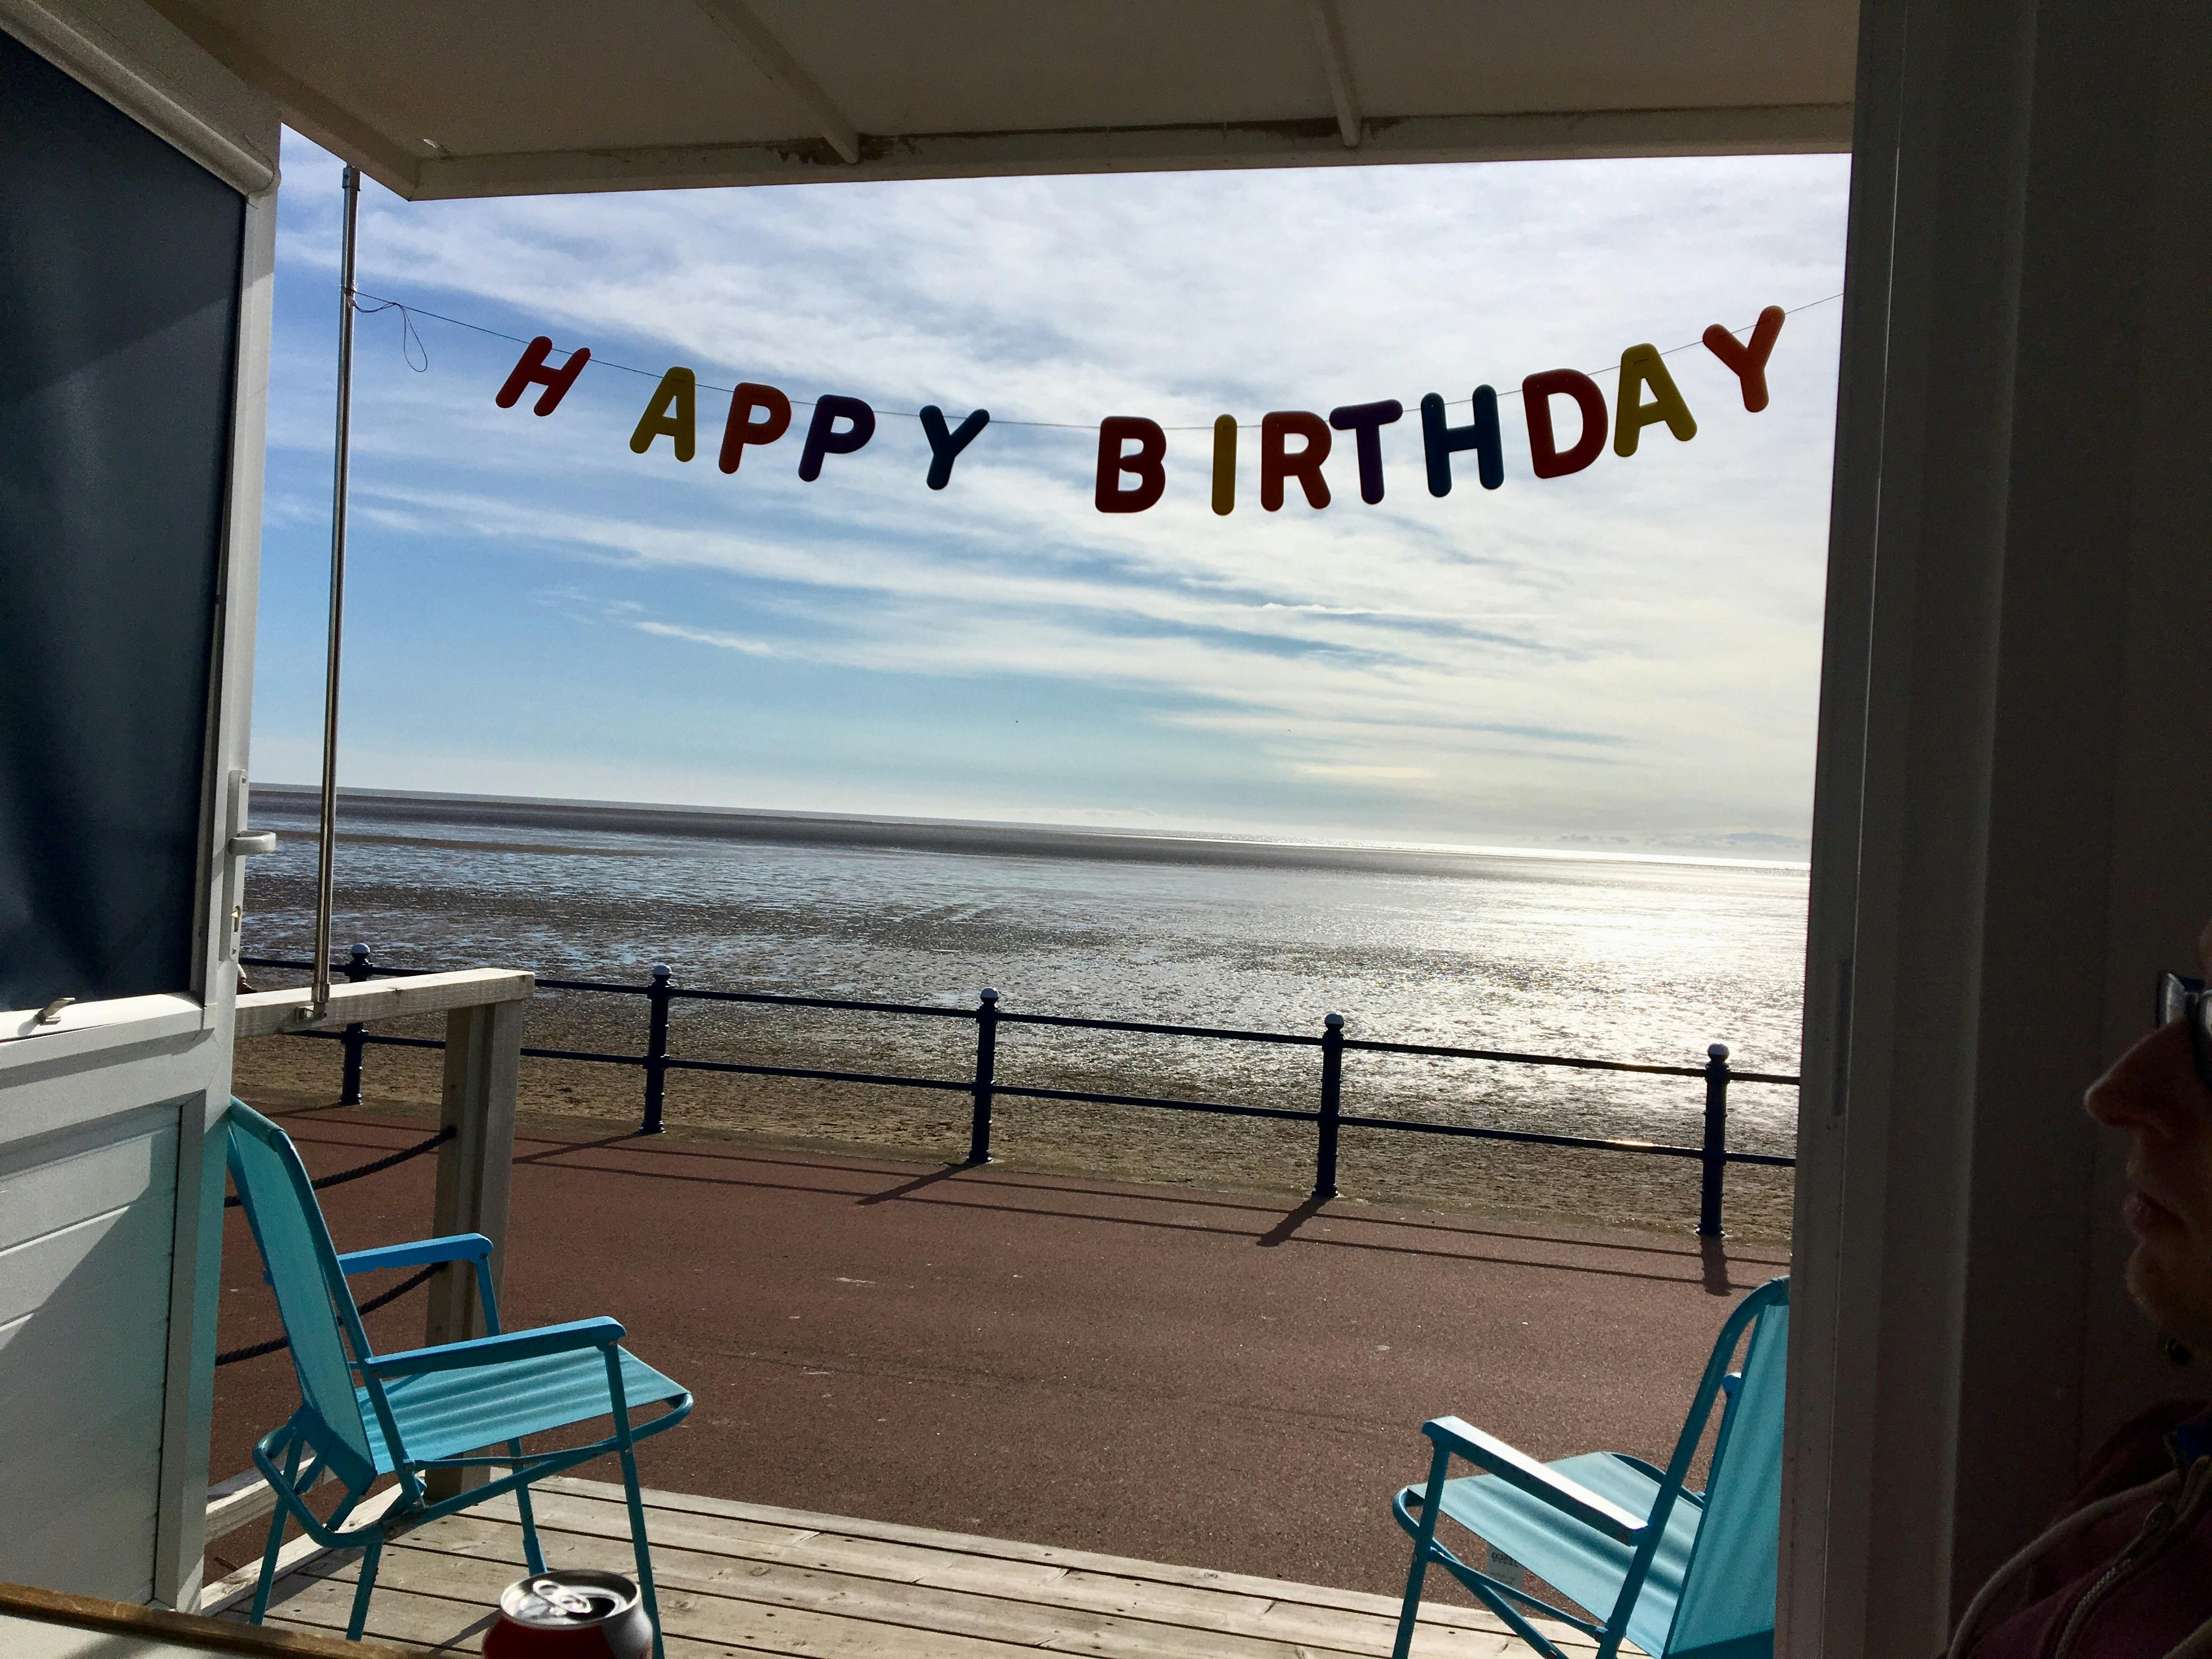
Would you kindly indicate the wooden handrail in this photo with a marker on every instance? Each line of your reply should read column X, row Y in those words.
column 266, row 1013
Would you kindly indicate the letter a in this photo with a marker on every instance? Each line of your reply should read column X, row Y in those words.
column 1641, row 366
column 673, row 414
column 530, row 370
column 1750, row 361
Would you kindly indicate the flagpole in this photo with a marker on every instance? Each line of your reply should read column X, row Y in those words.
column 321, row 994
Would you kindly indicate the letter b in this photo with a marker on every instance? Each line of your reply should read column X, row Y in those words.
column 1114, row 432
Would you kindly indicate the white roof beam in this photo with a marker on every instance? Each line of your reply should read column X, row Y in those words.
column 736, row 19
column 1343, row 92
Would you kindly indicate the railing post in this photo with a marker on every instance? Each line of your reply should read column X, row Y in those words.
column 986, row 1063
column 475, row 1169
column 1714, row 1160
column 1332, row 1104
column 656, row 1051
column 355, row 970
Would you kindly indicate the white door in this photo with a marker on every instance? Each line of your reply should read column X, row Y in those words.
column 138, row 207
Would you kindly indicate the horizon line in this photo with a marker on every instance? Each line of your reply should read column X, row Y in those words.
column 918, row 821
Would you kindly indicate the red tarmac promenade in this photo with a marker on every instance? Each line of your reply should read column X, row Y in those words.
column 1218, row 1380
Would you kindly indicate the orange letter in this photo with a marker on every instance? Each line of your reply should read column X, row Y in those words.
column 1536, row 394
column 1277, row 465
column 530, row 370
column 742, row 429
column 1750, row 361
column 1152, row 478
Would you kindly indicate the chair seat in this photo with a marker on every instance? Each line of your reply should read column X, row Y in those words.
column 451, row 1413
column 1583, row 1565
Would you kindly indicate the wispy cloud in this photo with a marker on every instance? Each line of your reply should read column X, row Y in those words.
column 1628, row 652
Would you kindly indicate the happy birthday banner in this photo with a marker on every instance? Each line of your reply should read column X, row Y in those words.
column 1133, row 450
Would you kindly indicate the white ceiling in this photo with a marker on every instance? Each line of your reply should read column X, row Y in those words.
column 503, row 97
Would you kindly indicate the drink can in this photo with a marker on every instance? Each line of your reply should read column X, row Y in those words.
column 574, row 1614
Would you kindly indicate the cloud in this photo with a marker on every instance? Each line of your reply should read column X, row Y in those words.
column 1630, row 651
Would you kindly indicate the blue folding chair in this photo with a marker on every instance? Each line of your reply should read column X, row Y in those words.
column 423, row 1408
column 1687, row 1575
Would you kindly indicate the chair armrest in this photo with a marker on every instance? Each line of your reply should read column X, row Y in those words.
column 456, row 1247
column 1518, row 1468
column 494, row 1349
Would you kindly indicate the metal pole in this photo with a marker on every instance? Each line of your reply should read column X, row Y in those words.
column 1332, row 1102
column 987, row 1065
column 656, row 1050
column 1715, row 1147
column 351, row 185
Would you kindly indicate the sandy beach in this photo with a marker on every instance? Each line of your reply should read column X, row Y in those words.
column 1227, row 1154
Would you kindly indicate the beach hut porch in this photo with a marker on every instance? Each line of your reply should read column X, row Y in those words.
column 752, row 1579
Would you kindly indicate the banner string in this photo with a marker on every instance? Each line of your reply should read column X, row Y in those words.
column 411, row 344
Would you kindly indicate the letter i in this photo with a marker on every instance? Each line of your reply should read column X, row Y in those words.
column 1224, row 465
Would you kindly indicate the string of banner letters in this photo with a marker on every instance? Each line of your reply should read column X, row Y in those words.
column 1133, row 449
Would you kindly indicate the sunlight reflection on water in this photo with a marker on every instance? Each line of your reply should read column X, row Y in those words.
column 1617, row 961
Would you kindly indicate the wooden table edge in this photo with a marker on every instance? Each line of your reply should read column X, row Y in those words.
column 184, row 1628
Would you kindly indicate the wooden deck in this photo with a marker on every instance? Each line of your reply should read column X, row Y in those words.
column 746, row 1578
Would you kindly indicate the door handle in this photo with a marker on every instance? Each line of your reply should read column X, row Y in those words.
column 248, row 842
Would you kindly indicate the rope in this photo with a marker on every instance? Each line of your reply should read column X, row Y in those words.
column 256, row 1350
column 369, row 1169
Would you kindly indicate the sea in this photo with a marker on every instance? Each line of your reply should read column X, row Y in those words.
column 1624, row 959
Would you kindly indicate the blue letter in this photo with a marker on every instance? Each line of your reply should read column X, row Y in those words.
column 945, row 447
column 1367, row 420
column 820, row 441
column 1479, row 435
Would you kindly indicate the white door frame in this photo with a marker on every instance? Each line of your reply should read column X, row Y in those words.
column 105, row 1061
column 2013, row 829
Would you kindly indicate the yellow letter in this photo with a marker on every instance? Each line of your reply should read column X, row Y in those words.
column 1224, row 465
column 1641, row 366
column 679, row 390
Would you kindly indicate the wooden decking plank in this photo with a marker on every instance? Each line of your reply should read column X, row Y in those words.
column 915, row 1606
column 470, row 1587
column 738, row 1578
column 1011, row 1550
column 405, row 1619
column 1229, row 1614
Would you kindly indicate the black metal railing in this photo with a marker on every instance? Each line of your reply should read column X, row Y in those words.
column 983, row 1089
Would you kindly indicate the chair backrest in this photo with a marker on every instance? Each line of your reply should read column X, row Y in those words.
column 312, row 1296
column 1727, row 1606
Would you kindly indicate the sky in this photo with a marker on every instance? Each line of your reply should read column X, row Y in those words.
column 1622, row 659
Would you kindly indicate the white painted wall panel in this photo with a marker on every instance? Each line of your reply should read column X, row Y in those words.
column 87, row 1223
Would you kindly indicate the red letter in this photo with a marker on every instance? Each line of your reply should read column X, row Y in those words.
column 1276, row 465
column 1536, row 394
column 1750, row 361
column 742, row 429
column 1152, row 478
column 531, row 370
